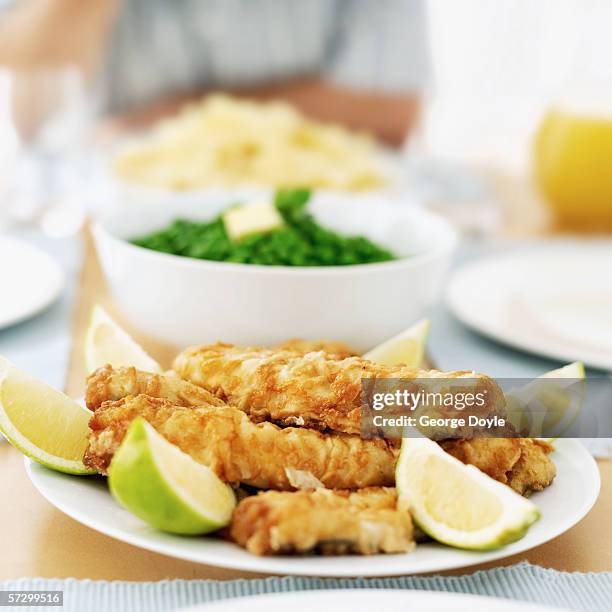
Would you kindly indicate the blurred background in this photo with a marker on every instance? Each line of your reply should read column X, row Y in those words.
column 497, row 116
column 464, row 89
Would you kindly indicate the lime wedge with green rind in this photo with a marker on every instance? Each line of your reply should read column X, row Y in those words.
column 406, row 348
column 41, row 422
column 457, row 504
column 106, row 342
column 550, row 404
column 165, row 487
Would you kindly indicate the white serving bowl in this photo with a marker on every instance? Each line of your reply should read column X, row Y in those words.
column 187, row 301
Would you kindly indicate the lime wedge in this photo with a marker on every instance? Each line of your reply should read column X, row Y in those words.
column 550, row 404
column 457, row 504
column 406, row 348
column 42, row 422
column 165, row 487
column 106, row 342
column 572, row 370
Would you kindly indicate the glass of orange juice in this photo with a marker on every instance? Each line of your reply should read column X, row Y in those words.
column 573, row 164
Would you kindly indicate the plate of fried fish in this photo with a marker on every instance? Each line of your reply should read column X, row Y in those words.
column 278, row 430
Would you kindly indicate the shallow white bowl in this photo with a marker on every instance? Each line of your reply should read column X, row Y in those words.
column 188, row 301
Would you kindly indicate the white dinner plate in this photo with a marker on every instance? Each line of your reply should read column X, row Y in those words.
column 368, row 600
column 87, row 500
column 554, row 300
column 31, row 280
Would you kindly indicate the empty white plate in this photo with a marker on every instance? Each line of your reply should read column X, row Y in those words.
column 554, row 300
column 30, row 280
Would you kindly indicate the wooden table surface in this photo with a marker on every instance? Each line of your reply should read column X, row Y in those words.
column 38, row 540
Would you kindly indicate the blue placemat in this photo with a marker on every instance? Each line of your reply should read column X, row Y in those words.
column 572, row 591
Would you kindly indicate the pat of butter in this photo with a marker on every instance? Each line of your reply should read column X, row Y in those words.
column 251, row 219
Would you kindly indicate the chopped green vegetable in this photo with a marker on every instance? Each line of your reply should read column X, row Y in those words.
column 300, row 242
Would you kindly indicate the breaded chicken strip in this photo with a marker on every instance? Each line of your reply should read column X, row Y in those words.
column 521, row 463
column 331, row 347
column 239, row 450
column 362, row 522
column 112, row 384
column 314, row 390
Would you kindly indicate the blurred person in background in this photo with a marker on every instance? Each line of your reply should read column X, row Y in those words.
column 362, row 63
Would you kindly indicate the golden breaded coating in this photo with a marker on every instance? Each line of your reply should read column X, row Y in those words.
column 315, row 390
column 534, row 471
column 112, row 384
column 331, row 347
column 363, row 522
column 493, row 456
column 521, row 463
column 238, row 450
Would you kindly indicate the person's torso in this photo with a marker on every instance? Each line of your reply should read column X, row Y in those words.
column 160, row 47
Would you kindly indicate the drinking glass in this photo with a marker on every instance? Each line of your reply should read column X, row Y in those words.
column 45, row 114
column 572, row 157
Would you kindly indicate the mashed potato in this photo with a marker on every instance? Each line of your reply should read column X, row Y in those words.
column 223, row 141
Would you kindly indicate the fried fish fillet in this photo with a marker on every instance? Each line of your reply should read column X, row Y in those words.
column 240, row 451
column 112, row 384
column 331, row 347
column 362, row 522
column 315, row 390
column 534, row 471
column 521, row 463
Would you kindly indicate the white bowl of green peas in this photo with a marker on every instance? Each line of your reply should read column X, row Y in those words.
column 358, row 269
